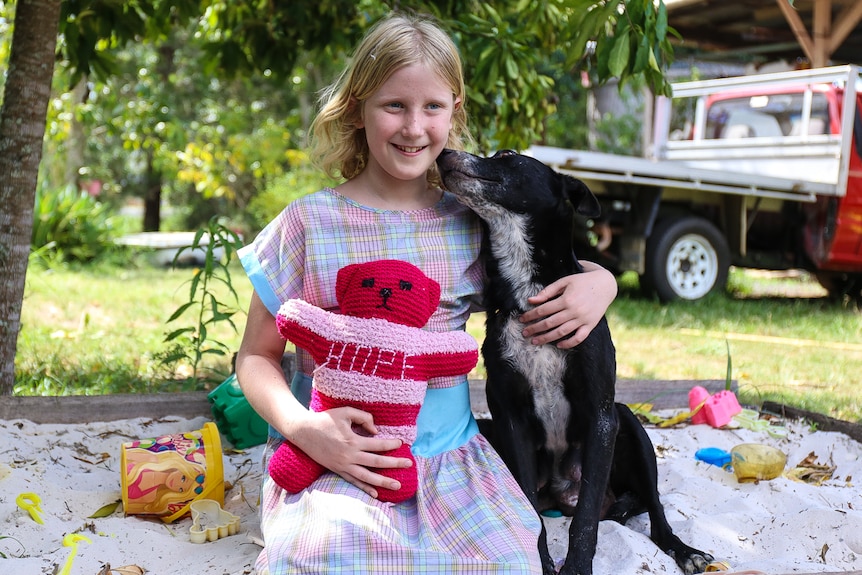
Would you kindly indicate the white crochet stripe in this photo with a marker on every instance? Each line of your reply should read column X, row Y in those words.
column 406, row 433
column 356, row 386
column 375, row 332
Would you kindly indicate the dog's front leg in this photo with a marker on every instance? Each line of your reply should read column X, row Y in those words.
column 597, row 460
column 513, row 435
column 591, row 378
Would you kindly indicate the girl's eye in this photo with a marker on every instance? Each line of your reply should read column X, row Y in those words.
column 395, row 105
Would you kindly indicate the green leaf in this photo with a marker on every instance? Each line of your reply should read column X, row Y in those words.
column 495, row 16
column 661, row 23
column 106, row 510
column 636, row 9
column 619, row 59
column 511, row 68
column 178, row 332
column 728, row 381
column 180, row 311
column 653, row 63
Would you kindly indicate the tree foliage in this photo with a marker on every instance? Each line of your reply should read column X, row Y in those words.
column 186, row 121
column 504, row 44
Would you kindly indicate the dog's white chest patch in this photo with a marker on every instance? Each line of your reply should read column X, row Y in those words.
column 543, row 366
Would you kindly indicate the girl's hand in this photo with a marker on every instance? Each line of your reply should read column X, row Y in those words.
column 330, row 438
column 569, row 309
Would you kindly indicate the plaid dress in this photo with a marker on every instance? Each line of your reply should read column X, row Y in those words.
column 468, row 515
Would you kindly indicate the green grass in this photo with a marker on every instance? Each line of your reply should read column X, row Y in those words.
column 97, row 330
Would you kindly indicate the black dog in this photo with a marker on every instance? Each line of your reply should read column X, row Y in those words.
column 554, row 419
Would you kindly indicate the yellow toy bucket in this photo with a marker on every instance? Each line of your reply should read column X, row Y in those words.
column 162, row 476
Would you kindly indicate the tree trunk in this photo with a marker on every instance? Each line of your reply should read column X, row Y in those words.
column 152, row 196
column 154, row 180
column 22, row 129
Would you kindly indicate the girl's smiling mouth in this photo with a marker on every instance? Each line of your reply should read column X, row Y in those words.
column 410, row 149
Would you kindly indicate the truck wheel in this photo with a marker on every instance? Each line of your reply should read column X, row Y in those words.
column 686, row 258
column 840, row 284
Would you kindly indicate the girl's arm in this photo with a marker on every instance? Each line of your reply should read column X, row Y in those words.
column 326, row 437
column 571, row 306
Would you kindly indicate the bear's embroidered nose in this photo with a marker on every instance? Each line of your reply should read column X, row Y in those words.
column 385, row 293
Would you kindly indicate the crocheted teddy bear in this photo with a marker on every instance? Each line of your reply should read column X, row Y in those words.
column 373, row 356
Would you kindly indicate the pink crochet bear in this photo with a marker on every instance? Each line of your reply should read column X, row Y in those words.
column 373, row 356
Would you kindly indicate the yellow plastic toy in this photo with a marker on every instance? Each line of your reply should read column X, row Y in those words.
column 72, row 540
column 30, row 502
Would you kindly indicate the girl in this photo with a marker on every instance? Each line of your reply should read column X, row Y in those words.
column 381, row 127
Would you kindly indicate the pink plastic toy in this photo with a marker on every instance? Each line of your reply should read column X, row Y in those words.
column 717, row 409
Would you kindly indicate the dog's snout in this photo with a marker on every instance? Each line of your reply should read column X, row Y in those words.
column 446, row 158
column 504, row 153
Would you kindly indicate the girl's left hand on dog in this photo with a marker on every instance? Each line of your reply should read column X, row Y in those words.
column 568, row 309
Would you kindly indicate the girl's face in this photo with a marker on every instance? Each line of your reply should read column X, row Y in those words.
column 407, row 122
column 177, row 481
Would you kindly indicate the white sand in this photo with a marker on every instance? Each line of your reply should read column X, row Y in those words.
column 778, row 526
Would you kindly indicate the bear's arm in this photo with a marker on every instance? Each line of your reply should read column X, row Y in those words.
column 445, row 364
column 444, row 354
column 303, row 337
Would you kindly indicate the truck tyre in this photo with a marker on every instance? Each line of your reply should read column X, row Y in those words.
column 686, row 258
column 841, row 285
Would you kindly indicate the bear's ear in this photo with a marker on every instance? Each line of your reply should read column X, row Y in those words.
column 344, row 279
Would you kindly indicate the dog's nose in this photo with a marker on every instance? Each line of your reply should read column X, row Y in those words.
column 385, row 292
column 445, row 158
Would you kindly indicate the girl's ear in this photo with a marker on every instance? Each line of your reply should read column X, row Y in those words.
column 455, row 107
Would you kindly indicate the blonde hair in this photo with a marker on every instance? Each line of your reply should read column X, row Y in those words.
column 337, row 145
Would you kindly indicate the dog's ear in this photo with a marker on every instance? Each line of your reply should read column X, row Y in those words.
column 582, row 198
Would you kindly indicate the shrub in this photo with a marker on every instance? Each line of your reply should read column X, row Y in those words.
column 69, row 225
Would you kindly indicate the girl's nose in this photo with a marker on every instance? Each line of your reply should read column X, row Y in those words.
column 412, row 125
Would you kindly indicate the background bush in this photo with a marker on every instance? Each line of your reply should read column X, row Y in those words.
column 71, row 226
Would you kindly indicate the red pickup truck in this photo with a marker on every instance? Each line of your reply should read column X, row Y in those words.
column 756, row 171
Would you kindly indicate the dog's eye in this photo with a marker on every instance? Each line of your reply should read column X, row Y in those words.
column 405, row 285
column 504, row 153
column 368, row 282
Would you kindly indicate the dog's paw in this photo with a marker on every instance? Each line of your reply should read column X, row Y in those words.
column 691, row 560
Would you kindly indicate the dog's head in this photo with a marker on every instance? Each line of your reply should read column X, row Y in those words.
column 513, row 182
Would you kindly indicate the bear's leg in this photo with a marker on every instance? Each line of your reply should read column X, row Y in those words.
column 406, row 476
column 292, row 469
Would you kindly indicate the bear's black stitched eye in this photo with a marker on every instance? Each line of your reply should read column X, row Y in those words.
column 405, row 285
column 368, row 282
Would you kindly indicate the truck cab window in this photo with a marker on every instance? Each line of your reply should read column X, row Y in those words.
column 766, row 116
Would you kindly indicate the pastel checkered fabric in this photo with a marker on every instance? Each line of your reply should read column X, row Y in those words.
column 468, row 515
